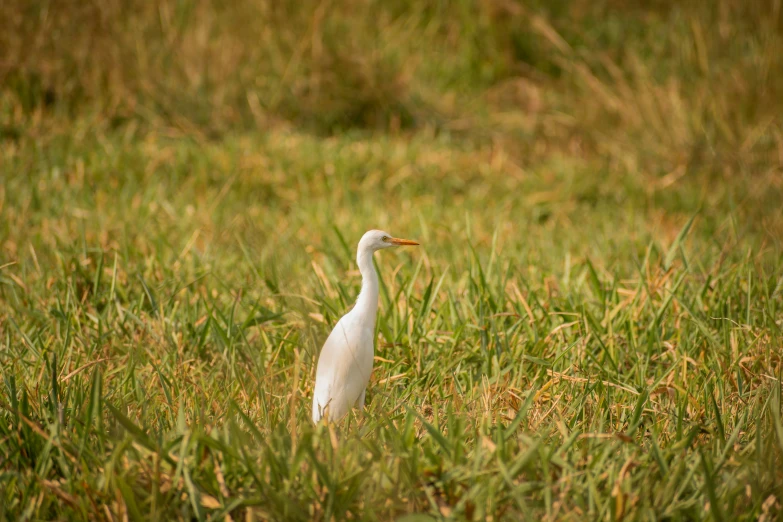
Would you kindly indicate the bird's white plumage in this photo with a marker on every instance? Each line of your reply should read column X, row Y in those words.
column 344, row 368
column 346, row 359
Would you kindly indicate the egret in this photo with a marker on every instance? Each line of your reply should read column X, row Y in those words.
column 345, row 363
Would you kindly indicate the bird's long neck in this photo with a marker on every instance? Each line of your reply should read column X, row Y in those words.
column 367, row 303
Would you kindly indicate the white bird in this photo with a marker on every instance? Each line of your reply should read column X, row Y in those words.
column 345, row 363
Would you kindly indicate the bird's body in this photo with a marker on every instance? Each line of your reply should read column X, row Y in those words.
column 344, row 369
column 345, row 363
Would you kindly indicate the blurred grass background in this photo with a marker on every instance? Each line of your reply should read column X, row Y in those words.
column 595, row 311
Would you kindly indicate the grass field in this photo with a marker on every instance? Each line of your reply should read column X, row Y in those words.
column 591, row 329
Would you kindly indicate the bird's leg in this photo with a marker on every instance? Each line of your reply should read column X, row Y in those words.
column 360, row 400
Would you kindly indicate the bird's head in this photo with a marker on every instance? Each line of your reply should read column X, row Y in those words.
column 378, row 239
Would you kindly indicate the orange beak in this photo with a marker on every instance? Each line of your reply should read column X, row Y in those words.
column 401, row 242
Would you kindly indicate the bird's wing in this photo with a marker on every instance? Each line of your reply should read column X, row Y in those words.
column 343, row 369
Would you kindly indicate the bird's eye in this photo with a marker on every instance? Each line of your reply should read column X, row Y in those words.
column 385, row 238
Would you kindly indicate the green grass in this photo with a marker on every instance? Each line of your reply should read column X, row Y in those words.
column 591, row 329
